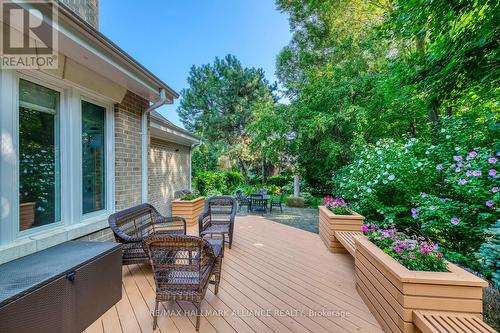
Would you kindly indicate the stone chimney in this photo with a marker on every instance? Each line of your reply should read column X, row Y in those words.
column 86, row 9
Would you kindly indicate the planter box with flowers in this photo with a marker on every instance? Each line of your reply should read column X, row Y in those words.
column 396, row 275
column 335, row 215
column 189, row 206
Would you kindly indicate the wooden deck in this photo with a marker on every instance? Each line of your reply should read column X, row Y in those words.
column 275, row 278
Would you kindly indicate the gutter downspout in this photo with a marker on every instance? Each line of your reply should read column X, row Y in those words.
column 144, row 144
column 194, row 145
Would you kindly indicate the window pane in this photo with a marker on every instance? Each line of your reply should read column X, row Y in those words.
column 93, row 119
column 39, row 193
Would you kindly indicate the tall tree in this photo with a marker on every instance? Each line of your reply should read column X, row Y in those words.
column 220, row 103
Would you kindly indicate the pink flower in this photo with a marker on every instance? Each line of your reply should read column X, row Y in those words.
column 476, row 173
column 457, row 158
column 411, row 255
column 440, row 255
column 492, row 172
column 364, row 228
column 472, row 154
column 455, row 220
column 492, row 160
column 403, row 256
column 489, row 203
column 468, row 173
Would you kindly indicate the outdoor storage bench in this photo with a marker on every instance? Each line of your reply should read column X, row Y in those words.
column 64, row 288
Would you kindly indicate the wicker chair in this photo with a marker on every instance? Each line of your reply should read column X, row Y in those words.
column 277, row 203
column 217, row 217
column 182, row 268
column 131, row 226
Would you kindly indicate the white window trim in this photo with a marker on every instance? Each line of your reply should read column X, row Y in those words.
column 73, row 223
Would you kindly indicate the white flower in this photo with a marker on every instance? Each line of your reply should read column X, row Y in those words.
column 391, row 177
column 369, row 190
column 448, row 136
column 385, row 182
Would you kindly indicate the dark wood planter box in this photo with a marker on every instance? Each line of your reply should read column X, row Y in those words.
column 61, row 289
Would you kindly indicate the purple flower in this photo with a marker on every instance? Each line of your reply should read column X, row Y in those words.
column 462, row 181
column 457, row 158
column 489, row 203
column 411, row 255
column 439, row 167
column 423, row 195
column 472, row 154
column 468, row 173
column 455, row 220
column 476, row 173
column 492, row 172
column 492, row 160
column 494, row 189
column 458, row 170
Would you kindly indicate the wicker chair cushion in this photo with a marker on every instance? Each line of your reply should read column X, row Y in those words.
column 216, row 229
column 216, row 245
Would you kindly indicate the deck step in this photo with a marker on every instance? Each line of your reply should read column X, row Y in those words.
column 449, row 322
column 346, row 238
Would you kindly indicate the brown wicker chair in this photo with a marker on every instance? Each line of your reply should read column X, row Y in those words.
column 182, row 268
column 131, row 226
column 217, row 217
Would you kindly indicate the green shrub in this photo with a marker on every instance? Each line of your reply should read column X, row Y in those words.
column 280, row 180
column 221, row 182
column 489, row 254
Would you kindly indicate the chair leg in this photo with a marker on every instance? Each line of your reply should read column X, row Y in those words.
column 230, row 239
column 281, row 208
column 198, row 315
column 155, row 316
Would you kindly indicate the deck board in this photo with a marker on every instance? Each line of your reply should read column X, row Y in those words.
column 271, row 279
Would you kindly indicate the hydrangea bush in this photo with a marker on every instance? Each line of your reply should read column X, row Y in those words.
column 462, row 204
column 416, row 254
column 445, row 189
column 337, row 206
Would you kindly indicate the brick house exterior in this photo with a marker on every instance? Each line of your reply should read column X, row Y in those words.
column 132, row 168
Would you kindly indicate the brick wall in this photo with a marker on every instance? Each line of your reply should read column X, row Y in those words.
column 168, row 171
column 128, row 151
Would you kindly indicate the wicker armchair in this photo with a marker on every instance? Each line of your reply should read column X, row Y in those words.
column 182, row 268
column 217, row 217
column 131, row 226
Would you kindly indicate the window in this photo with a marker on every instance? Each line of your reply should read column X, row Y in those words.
column 39, row 176
column 93, row 157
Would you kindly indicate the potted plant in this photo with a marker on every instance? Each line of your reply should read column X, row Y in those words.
column 189, row 206
column 336, row 215
column 396, row 275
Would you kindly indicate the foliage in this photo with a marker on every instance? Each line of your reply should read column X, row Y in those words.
column 221, row 182
column 280, row 180
column 383, row 179
column 220, row 102
column 489, row 253
column 414, row 254
column 188, row 195
column 337, row 206
column 462, row 204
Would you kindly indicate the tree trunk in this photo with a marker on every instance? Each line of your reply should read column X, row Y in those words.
column 264, row 179
column 243, row 170
column 296, row 185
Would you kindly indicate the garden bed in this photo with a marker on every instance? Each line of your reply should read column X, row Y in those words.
column 190, row 210
column 392, row 292
column 329, row 223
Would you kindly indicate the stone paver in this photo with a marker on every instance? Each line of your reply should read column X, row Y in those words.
column 302, row 218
